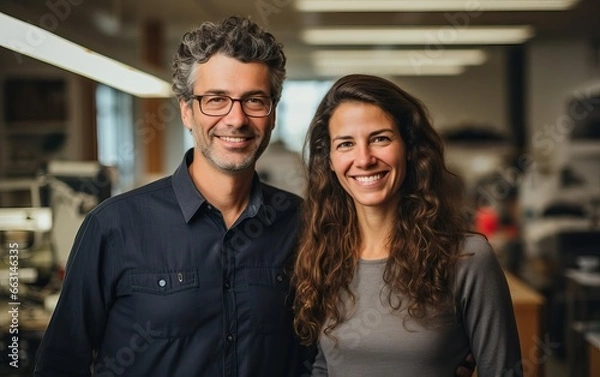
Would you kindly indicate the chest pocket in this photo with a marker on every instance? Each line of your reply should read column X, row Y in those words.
column 172, row 303
column 270, row 296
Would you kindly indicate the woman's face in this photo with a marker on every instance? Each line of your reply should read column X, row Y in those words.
column 368, row 154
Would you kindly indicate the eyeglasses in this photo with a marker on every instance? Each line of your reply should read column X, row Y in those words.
column 220, row 105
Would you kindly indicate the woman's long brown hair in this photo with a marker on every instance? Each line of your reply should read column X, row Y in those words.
column 426, row 237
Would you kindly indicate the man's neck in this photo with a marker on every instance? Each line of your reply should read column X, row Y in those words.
column 228, row 192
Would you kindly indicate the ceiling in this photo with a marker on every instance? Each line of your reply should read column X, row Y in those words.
column 114, row 27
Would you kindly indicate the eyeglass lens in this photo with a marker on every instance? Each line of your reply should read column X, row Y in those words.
column 221, row 105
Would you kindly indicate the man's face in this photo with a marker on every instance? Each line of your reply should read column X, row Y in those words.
column 233, row 142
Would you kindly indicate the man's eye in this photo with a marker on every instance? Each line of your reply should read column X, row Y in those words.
column 215, row 100
column 256, row 100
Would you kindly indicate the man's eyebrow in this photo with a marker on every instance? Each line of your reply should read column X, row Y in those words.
column 221, row 92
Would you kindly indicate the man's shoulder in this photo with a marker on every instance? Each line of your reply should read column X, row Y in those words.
column 134, row 196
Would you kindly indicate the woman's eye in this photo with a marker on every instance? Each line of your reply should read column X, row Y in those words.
column 344, row 145
column 380, row 139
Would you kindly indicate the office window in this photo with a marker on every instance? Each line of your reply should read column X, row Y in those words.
column 115, row 135
column 298, row 104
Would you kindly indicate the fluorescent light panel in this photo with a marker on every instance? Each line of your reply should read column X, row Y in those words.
column 431, row 5
column 390, row 70
column 42, row 45
column 412, row 58
column 431, row 35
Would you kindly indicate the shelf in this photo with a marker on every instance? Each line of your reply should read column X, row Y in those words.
column 580, row 148
column 34, row 128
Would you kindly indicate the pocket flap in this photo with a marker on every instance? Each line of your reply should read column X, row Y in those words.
column 163, row 282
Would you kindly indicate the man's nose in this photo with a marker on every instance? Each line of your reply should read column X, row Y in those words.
column 236, row 116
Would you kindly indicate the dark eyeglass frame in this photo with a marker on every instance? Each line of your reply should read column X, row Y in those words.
column 240, row 100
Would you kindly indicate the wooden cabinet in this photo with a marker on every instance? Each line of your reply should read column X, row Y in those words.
column 593, row 339
column 528, row 304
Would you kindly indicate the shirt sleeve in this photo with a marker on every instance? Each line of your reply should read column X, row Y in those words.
column 487, row 311
column 319, row 368
column 78, row 322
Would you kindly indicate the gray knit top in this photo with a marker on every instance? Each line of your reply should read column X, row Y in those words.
column 375, row 342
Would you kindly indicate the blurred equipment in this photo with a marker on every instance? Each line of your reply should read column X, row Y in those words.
column 73, row 188
column 24, row 231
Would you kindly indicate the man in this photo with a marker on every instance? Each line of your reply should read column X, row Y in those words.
column 187, row 276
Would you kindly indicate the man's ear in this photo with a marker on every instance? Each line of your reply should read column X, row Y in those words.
column 274, row 118
column 187, row 114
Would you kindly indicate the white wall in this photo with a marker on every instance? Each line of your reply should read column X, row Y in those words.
column 555, row 70
column 478, row 95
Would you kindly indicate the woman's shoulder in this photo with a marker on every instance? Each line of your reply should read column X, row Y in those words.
column 477, row 253
column 478, row 268
column 474, row 243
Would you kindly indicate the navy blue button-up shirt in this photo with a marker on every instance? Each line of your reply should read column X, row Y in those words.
column 156, row 285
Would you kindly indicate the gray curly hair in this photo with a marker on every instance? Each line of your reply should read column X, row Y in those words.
column 238, row 37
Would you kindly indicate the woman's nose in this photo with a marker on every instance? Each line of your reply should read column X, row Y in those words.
column 364, row 157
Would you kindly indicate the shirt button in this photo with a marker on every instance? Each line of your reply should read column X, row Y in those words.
column 229, row 338
column 227, row 285
column 279, row 278
column 162, row 283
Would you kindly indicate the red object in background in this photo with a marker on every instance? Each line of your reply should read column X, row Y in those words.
column 61, row 273
column 487, row 221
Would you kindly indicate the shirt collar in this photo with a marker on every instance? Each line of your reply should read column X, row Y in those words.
column 190, row 199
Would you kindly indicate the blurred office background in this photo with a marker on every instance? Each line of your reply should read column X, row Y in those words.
column 512, row 86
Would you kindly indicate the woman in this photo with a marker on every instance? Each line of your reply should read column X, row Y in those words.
column 389, row 281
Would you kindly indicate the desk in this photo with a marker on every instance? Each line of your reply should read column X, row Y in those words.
column 527, row 304
column 582, row 288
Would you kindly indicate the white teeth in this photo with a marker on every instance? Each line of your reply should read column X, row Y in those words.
column 233, row 139
column 371, row 178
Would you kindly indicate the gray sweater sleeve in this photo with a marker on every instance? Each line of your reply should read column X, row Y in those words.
column 319, row 368
column 484, row 302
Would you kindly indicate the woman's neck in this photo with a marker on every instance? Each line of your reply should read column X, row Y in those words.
column 375, row 228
